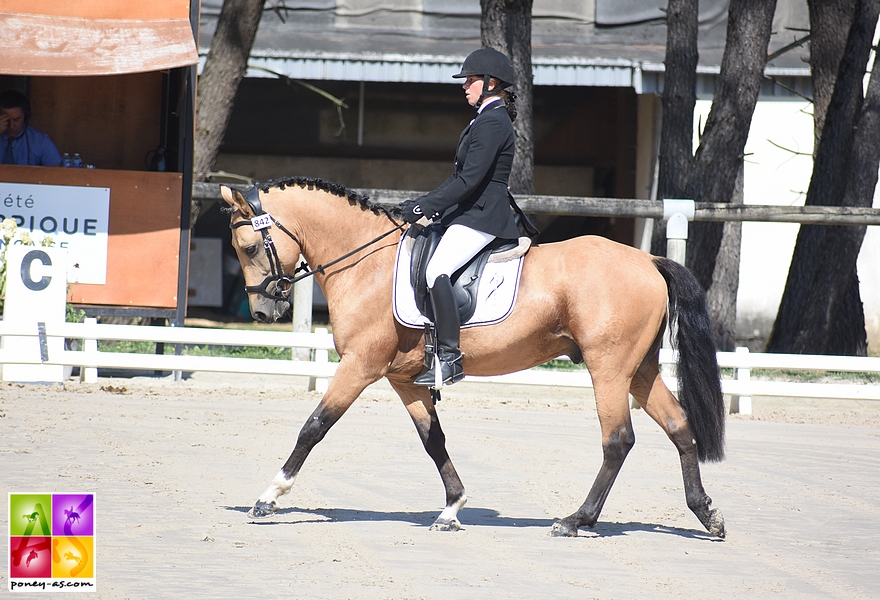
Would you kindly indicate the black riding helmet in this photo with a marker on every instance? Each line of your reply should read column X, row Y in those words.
column 488, row 62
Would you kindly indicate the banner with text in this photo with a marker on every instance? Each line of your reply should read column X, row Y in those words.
column 77, row 218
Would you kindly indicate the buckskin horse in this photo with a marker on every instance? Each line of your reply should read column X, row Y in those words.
column 597, row 301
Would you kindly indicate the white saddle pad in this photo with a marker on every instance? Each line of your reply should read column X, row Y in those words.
column 495, row 297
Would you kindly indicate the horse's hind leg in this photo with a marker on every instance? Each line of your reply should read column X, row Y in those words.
column 652, row 394
column 421, row 408
column 618, row 439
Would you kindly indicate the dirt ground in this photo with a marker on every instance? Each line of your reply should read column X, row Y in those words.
column 175, row 466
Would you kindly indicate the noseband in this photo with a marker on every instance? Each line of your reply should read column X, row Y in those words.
column 261, row 222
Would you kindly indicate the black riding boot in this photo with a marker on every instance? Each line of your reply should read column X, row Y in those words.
column 446, row 338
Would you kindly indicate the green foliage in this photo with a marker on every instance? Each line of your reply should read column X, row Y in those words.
column 73, row 314
column 814, row 376
column 205, row 350
column 560, row 364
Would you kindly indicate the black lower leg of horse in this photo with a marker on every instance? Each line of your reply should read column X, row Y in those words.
column 614, row 452
column 697, row 500
column 434, row 441
column 435, row 444
column 424, row 416
column 312, row 432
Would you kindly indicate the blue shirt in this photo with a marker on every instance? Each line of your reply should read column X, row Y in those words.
column 31, row 147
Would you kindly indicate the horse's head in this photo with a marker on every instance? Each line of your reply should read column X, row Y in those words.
column 264, row 264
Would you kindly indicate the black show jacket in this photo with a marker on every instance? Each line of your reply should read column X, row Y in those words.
column 476, row 195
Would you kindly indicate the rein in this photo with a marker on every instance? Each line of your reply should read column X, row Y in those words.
column 262, row 221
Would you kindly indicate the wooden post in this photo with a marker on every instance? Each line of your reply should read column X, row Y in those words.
column 320, row 384
column 302, row 323
column 302, row 313
column 677, row 214
column 90, row 374
column 742, row 404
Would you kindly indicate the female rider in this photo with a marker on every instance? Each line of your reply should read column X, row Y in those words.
column 472, row 205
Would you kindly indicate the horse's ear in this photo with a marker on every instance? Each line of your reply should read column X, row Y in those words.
column 234, row 199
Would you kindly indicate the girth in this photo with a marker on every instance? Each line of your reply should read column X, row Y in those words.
column 465, row 281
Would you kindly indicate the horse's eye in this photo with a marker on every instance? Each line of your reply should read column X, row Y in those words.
column 251, row 251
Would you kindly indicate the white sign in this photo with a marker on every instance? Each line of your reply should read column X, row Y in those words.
column 36, row 291
column 76, row 217
column 261, row 222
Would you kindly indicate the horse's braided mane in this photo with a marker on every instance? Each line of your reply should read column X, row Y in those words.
column 336, row 189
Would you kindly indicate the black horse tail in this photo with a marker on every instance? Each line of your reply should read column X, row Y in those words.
column 699, row 389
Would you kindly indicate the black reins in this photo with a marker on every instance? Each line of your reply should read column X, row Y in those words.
column 261, row 222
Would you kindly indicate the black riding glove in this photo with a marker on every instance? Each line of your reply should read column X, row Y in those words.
column 411, row 211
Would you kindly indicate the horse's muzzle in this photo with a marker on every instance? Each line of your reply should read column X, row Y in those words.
column 270, row 311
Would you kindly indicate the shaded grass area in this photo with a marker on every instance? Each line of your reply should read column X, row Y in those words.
column 765, row 374
column 130, row 347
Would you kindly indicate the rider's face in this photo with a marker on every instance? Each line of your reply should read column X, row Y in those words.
column 473, row 87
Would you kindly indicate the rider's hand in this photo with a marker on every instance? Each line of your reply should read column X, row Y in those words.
column 411, row 211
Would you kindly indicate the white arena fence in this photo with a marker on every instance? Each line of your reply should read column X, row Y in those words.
column 741, row 387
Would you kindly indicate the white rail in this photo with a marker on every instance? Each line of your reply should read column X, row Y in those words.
column 741, row 388
column 320, row 368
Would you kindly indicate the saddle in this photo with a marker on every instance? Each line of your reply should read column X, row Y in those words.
column 465, row 281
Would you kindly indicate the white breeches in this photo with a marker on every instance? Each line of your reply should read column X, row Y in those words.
column 458, row 245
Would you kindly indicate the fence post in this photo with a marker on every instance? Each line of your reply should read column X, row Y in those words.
column 742, row 404
column 89, row 374
column 319, row 384
column 302, row 313
column 677, row 214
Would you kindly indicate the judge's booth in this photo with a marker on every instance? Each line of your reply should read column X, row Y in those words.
column 112, row 82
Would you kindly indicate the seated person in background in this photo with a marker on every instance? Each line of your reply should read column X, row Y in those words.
column 19, row 143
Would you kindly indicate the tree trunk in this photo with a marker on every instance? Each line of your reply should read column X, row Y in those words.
column 679, row 99
column 720, row 154
column 506, row 25
column 721, row 298
column 829, row 29
column 224, row 69
column 821, row 310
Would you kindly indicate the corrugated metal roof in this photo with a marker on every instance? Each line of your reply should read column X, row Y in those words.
column 645, row 77
column 425, row 41
column 433, row 69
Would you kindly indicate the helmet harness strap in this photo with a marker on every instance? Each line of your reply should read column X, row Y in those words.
column 487, row 92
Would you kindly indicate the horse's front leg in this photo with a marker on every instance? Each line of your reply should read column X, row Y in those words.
column 421, row 408
column 344, row 389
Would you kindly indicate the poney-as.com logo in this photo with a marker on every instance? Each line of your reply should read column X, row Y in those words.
column 51, row 542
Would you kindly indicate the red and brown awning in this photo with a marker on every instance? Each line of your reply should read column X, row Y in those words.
column 39, row 41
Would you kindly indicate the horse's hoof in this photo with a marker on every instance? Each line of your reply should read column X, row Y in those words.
column 563, row 529
column 715, row 523
column 446, row 525
column 261, row 510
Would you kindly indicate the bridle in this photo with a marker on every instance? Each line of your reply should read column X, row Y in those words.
column 262, row 222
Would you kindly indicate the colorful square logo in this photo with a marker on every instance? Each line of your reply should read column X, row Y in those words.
column 51, row 542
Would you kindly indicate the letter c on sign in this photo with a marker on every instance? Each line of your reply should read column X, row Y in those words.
column 29, row 258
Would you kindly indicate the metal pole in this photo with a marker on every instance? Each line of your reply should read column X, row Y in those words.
column 361, row 91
